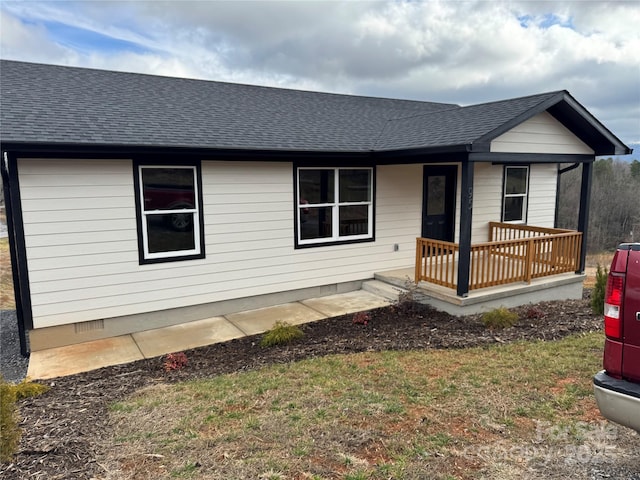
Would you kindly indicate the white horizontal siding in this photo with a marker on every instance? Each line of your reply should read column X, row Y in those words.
column 44, row 204
column 540, row 134
column 94, row 247
column 77, row 213
column 80, row 221
column 398, row 212
column 71, row 214
column 94, row 262
column 99, row 192
column 75, row 208
column 543, row 179
column 191, row 290
column 82, row 242
column 487, row 199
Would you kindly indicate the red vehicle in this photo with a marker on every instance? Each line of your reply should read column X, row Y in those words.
column 617, row 387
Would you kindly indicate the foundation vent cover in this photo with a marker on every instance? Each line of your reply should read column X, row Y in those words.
column 89, row 326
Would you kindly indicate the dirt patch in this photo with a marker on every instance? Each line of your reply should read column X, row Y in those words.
column 7, row 300
column 64, row 429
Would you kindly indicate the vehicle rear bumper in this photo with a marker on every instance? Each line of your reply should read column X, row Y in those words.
column 618, row 400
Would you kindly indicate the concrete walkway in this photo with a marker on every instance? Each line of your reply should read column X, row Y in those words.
column 61, row 361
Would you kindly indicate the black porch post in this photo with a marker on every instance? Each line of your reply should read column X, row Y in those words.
column 583, row 214
column 466, row 208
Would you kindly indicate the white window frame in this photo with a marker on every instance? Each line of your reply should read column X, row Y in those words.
column 335, row 207
column 195, row 212
column 524, row 196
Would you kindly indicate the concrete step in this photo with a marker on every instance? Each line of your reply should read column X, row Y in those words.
column 382, row 289
column 400, row 278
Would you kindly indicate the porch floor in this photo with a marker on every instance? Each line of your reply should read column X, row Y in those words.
column 555, row 287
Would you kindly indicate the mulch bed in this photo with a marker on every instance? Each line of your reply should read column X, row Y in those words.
column 63, row 430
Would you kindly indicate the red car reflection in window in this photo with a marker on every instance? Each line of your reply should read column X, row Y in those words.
column 161, row 197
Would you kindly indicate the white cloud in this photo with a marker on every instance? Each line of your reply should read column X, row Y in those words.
column 29, row 42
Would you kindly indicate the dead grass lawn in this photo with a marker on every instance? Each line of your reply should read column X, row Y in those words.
column 366, row 416
column 7, row 299
column 591, row 264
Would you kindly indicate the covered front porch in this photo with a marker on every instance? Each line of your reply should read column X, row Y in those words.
column 513, row 253
column 518, row 264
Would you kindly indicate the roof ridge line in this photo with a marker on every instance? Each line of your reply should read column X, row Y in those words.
column 552, row 92
column 223, row 82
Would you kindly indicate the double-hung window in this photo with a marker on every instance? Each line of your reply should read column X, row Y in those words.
column 334, row 205
column 516, row 185
column 169, row 212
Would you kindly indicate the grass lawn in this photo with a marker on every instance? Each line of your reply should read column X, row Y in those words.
column 440, row 414
column 400, row 415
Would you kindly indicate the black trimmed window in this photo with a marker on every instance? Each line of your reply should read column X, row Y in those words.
column 516, row 190
column 334, row 205
column 169, row 212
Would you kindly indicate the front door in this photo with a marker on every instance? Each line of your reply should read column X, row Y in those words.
column 439, row 202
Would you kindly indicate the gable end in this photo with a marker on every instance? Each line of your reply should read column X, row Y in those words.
column 540, row 134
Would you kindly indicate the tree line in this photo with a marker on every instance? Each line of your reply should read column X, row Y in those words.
column 614, row 209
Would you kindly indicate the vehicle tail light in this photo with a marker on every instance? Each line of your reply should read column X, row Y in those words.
column 612, row 307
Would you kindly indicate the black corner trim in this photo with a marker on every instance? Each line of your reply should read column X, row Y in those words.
column 18, row 249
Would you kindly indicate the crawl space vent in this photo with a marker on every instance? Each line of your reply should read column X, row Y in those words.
column 89, row 326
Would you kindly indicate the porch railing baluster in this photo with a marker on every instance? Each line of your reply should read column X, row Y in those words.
column 517, row 253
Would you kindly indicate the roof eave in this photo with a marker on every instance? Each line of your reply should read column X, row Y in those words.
column 127, row 150
column 417, row 151
column 612, row 145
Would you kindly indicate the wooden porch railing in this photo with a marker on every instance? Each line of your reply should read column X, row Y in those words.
column 508, row 231
column 519, row 254
column 437, row 262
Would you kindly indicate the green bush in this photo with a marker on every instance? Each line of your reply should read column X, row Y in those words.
column 597, row 296
column 9, row 430
column 280, row 334
column 499, row 318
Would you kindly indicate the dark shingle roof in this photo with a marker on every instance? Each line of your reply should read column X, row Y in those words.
column 461, row 126
column 49, row 105
column 52, row 104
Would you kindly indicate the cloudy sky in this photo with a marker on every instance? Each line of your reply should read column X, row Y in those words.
column 449, row 51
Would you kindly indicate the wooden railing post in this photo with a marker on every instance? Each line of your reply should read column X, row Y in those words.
column 528, row 263
column 418, row 272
